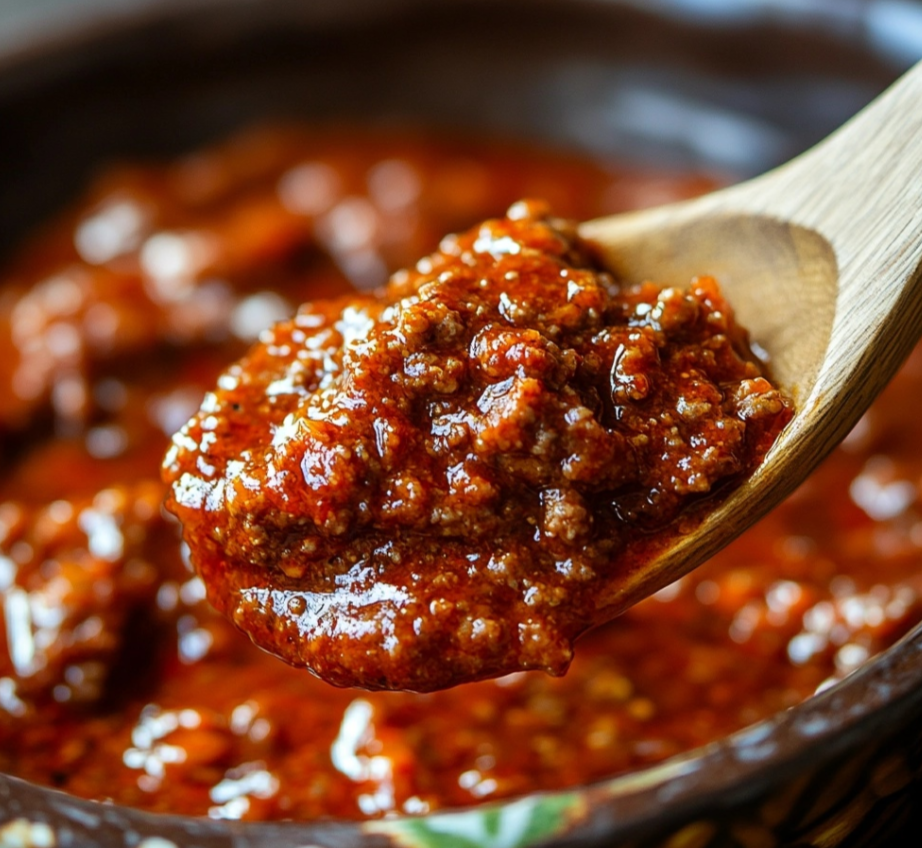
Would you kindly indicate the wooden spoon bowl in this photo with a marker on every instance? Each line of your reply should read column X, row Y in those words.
column 821, row 261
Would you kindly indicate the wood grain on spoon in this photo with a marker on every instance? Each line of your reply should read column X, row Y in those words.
column 821, row 261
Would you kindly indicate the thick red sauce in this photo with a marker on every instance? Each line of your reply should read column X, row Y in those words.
column 118, row 681
column 443, row 482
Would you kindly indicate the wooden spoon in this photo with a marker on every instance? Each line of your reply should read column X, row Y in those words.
column 821, row 260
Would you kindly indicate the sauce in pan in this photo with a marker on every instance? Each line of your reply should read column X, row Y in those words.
column 117, row 679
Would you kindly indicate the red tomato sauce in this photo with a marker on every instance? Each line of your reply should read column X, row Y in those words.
column 117, row 679
column 442, row 483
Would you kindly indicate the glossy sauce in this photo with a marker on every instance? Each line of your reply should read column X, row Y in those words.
column 117, row 680
column 446, row 481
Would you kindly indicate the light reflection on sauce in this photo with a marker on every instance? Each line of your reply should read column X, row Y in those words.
column 197, row 721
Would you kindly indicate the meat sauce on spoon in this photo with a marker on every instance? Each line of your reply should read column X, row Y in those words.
column 446, row 481
column 509, row 445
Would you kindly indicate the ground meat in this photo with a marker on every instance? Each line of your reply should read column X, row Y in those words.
column 430, row 486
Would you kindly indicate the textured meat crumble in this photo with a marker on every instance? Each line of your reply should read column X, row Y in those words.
column 432, row 485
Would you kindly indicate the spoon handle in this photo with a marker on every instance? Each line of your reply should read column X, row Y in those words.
column 861, row 189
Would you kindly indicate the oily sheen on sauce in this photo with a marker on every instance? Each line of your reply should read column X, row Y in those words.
column 117, row 679
column 444, row 481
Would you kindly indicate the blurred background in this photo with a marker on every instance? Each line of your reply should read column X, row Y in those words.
column 894, row 25
column 730, row 87
column 741, row 111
